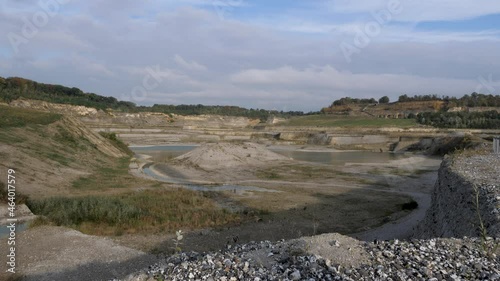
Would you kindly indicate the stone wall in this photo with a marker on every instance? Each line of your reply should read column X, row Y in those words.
column 453, row 212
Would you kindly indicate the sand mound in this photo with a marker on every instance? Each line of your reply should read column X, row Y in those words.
column 217, row 155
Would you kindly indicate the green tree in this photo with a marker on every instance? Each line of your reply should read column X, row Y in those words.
column 384, row 99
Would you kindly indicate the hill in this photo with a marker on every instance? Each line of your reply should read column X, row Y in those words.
column 216, row 155
column 477, row 111
column 13, row 88
column 51, row 150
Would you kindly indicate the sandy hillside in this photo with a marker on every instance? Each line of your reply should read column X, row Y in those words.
column 215, row 156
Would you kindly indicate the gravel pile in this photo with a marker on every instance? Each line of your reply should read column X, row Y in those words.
column 435, row 259
column 482, row 170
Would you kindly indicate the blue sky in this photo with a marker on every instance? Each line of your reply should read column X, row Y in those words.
column 285, row 55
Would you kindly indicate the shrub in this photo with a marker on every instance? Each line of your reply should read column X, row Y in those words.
column 117, row 142
column 412, row 205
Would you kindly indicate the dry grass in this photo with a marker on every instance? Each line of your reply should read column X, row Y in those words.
column 138, row 212
column 18, row 117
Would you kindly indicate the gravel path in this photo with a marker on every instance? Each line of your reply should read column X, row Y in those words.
column 343, row 259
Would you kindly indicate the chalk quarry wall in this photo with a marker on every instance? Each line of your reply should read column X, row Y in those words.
column 453, row 211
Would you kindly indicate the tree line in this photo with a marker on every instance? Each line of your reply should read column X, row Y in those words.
column 14, row 88
column 473, row 100
column 461, row 120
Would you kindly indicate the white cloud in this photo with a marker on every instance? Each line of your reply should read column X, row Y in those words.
column 415, row 11
column 188, row 65
column 328, row 79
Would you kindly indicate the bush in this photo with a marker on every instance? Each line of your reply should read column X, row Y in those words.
column 412, row 205
column 117, row 142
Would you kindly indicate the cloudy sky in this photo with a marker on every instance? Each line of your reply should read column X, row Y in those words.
column 272, row 54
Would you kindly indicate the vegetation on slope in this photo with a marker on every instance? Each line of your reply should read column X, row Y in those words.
column 427, row 110
column 117, row 142
column 349, row 122
column 13, row 117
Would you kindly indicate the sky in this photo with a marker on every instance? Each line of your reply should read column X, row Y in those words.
column 281, row 54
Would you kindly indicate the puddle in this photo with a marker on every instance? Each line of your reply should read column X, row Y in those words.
column 20, row 227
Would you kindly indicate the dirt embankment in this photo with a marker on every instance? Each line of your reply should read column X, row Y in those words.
column 48, row 158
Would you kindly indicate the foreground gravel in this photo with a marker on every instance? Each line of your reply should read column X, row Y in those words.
column 434, row 259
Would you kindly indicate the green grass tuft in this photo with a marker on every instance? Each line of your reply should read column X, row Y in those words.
column 117, row 142
column 106, row 177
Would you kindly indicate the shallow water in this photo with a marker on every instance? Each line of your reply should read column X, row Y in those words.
column 20, row 227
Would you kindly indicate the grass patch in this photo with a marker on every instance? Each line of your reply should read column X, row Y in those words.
column 20, row 117
column 266, row 174
column 139, row 212
column 57, row 157
column 9, row 137
column 107, row 176
column 117, row 142
column 64, row 137
column 349, row 122
column 75, row 211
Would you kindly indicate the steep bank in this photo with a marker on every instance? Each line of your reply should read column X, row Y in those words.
column 49, row 156
column 462, row 179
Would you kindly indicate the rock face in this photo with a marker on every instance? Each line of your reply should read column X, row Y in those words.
column 454, row 211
